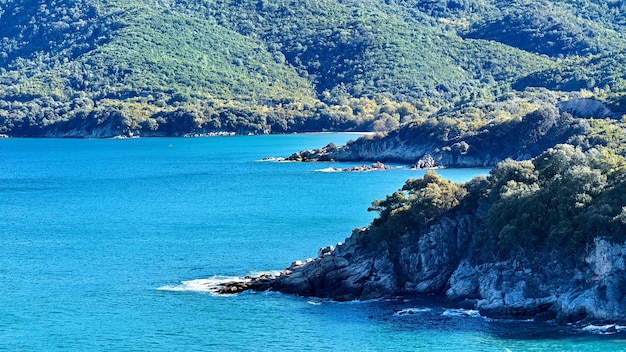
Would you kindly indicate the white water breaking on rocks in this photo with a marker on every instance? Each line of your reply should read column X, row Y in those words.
column 209, row 285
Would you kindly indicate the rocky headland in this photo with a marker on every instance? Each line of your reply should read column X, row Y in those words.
column 428, row 146
column 456, row 141
column 459, row 244
column 438, row 265
column 542, row 237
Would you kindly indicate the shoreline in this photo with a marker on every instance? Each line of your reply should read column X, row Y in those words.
column 186, row 135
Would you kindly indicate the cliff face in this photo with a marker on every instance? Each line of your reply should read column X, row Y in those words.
column 442, row 263
column 542, row 239
column 547, row 288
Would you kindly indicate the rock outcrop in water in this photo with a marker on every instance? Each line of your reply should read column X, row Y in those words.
column 464, row 254
column 377, row 166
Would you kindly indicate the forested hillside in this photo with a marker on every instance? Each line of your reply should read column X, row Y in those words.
column 174, row 67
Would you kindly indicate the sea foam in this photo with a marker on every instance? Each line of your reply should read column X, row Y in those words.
column 608, row 329
column 209, row 285
column 462, row 313
column 328, row 169
column 411, row 311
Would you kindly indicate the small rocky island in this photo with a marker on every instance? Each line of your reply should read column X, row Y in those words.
column 541, row 239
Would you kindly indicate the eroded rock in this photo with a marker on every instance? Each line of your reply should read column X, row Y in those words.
column 438, row 263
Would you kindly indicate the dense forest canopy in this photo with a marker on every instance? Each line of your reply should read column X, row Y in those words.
column 174, row 67
column 559, row 201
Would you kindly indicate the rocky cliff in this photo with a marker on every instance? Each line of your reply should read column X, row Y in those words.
column 463, row 253
column 438, row 264
column 454, row 140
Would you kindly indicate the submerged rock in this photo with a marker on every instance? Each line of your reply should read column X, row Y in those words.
column 360, row 168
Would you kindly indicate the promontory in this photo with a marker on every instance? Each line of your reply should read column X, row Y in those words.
column 542, row 239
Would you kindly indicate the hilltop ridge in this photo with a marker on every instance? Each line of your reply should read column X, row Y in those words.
column 167, row 68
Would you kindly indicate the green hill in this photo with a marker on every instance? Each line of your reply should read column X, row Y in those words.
column 105, row 68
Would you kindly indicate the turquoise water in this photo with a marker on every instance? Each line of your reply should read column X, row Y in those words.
column 106, row 245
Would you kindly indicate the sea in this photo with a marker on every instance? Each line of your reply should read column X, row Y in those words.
column 113, row 245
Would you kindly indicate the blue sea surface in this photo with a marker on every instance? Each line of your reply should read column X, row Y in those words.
column 107, row 245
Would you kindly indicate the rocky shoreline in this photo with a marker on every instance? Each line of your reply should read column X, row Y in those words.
column 461, row 258
column 377, row 166
column 346, row 153
column 450, row 145
column 435, row 266
column 469, row 245
column 422, row 156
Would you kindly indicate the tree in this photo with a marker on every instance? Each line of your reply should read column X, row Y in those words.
column 417, row 204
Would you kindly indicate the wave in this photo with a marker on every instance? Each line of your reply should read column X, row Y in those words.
column 412, row 311
column 462, row 313
column 272, row 159
column 608, row 329
column 328, row 169
column 264, row 272
column 210, row 285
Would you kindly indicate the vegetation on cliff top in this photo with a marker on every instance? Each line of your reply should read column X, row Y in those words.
column 516, row 126
column 562, row 200
column 170, row 67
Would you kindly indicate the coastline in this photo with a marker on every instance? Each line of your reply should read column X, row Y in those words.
column 108, row 135
column 467, row 244
column 349, row 272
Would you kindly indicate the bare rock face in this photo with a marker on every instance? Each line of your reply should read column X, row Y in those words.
column 420, row 154
column 606, row 296
column 522, row 289
column 426, row 162
column 440, row 263
column 585, row 107
column 429, row 264
column 344, row 273
column 361, row 270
